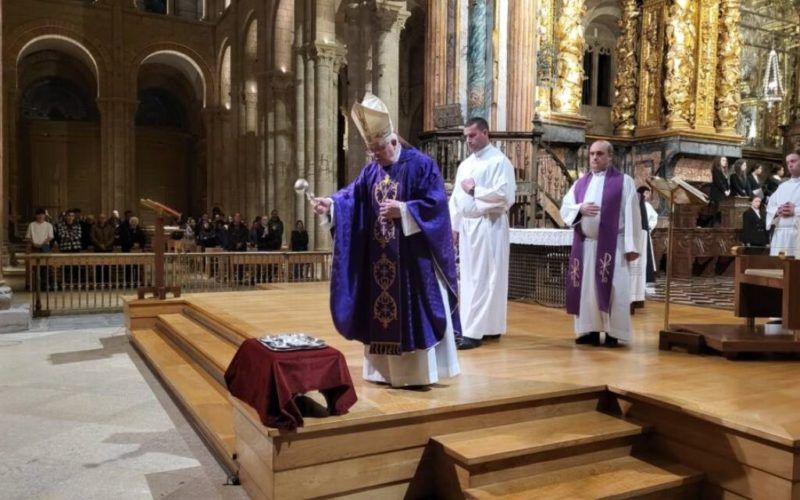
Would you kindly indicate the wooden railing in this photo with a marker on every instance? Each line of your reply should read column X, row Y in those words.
column 536, row 167
column 72, row 283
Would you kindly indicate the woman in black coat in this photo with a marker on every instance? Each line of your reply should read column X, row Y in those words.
column 740, row 186
column 754, row 180
column 773, row 181
column 754, row 228
column 720, row 188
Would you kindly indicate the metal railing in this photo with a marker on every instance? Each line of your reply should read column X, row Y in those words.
column 63, row 283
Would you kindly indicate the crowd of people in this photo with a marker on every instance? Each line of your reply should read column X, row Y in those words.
column 73, row 232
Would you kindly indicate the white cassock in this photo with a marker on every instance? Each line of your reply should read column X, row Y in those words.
column 481, row 222
column 638, row 267
column 591, row 319
column 421, row 367
column 785, row 236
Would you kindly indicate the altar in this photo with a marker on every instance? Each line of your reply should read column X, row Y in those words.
column 538, row 265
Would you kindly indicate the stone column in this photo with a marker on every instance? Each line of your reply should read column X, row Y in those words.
column 522, row 67
column 310, row 140
column 545, row 57
column 282, row 94
column 476, row 61
column 623, row 114
column 214, row 141
column 569, row 33
column 117, row 152
column 301, row 205
column 681, row 41
column 390, row 19
column 360, row 63
column 435, row 60
column 328, row 58
column 729, row 55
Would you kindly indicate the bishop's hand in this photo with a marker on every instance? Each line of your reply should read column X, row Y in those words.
column 321, row 206
column 390, row 209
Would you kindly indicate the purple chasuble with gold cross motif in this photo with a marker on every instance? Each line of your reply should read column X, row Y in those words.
column 384, row 287
column 606, row 242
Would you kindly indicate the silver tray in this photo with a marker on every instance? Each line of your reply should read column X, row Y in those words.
column 291, row 342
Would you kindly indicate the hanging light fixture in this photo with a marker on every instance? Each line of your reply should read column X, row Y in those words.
column 773, row 87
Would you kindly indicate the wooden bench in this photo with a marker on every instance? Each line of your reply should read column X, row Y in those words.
column 767, row 287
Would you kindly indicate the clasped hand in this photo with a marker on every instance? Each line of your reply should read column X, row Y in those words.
column 589, row 209
column 321, row 206
column 390, row 209
column 786, row 210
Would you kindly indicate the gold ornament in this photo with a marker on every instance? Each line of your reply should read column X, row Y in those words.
column 729, row 56
column 680, row 64
column 571, row 42
column 623, row 115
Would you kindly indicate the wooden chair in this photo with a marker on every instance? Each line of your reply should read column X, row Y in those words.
column 763, row 288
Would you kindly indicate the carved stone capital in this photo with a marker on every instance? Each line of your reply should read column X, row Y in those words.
column 391, row 16
column 329, row 54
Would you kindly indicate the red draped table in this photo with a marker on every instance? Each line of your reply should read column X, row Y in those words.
column 269, row 381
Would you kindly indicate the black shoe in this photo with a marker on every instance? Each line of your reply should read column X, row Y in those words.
column 464, row 343
column 591, row 338
column 491, row 337
column 611, row 341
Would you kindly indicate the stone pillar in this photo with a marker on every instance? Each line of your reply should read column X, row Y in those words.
column 545, row 57
column 390, row 17
column 569, row 33
column 435, row 60
column 328, row 58
column 3, row 145
column 117, row 152
column 681, row 41
column 282, row 95
column 360, row 64
column 623, row 114
column 214, row 149
column 476, row 61
column 522, row 67
column 301, row 205
column 728, row 74
column 310, row 141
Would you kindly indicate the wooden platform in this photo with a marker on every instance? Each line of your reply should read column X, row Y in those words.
column 730, row 340
column 531, row 415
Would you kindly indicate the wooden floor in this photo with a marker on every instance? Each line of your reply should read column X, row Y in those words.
column 760, row 398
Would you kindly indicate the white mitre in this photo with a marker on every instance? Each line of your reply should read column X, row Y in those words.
column 372, row 119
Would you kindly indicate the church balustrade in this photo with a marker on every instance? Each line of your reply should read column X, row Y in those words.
column 62, row 283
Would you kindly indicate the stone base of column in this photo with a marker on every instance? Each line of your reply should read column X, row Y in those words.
column 564, row 128
column 13, row 319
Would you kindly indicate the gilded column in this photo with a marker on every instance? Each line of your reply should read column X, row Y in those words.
column 571, row 42
column 545, row 57
column 706, row 77
column 522, row 71
column 435, row 60
column 328, row 59
column 728, row 65
column 623, row 115
column 390, row 19
column 681, row 41
column 649, row 112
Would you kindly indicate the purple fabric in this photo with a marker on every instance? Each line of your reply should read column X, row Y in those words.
column 606, row 243
column 372, row 256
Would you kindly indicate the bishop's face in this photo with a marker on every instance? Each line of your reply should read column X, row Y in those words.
column 383, row 152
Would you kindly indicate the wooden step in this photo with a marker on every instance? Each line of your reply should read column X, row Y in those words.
column 213, row 325
column 205, row 402
column 207, row 349
column 624, row 477
column 535, row 436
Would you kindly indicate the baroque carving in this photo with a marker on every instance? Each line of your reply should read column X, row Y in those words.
column 650, row 67
column 569, row 31
column 706, row 65
column 729, row 62
column 623, row 115
column 681, row 40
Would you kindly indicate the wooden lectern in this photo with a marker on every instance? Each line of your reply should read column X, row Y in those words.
column 159, row 290
column 677, row 192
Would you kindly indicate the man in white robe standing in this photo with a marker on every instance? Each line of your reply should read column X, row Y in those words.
column 783, row 211
column 604, row 210
column 644, row 265
column 483, row 193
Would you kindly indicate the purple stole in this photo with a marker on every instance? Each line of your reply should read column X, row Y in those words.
column 606, row 243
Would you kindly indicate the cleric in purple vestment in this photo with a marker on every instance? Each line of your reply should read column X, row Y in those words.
column 393, row 282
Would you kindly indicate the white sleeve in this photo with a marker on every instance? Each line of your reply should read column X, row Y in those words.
column 327, row 221
column 455, row 213
column 772, row 210
column 570, row 210
column 29, row 232
column 501, row 192
column 652, row 216
column 407, row 221
column 633, row 216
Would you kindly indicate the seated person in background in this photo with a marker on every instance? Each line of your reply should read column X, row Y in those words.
column 131, row 235
column 754, row 228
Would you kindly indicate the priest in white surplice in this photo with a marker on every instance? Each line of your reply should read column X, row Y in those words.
column 604, row 210
column 482, row 195
column 783, row 211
